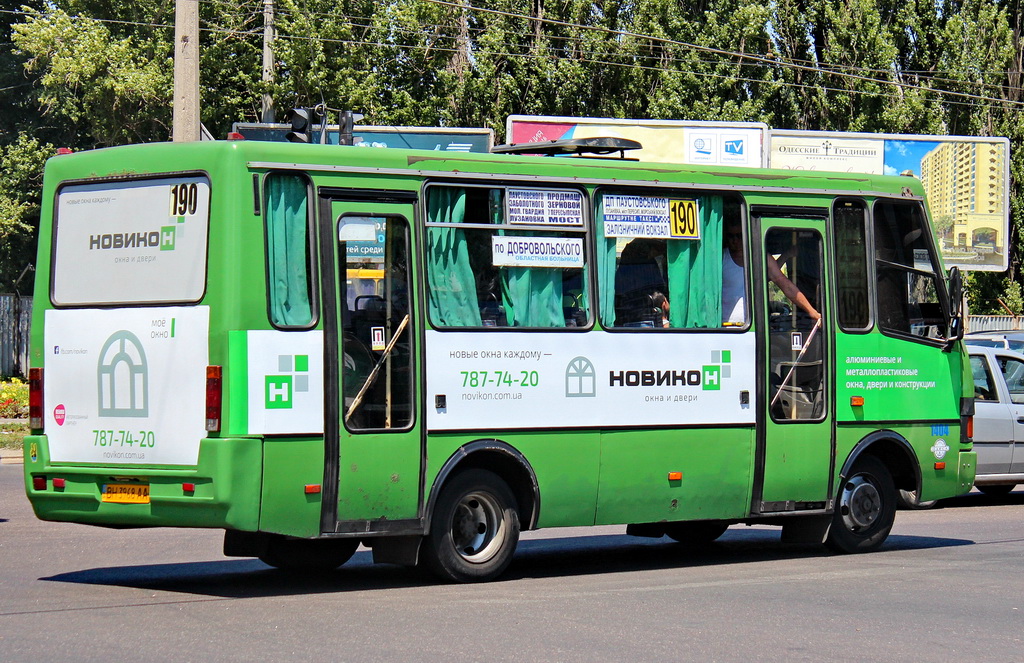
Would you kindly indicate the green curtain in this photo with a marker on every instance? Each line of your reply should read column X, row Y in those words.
column 695, row 272
column 451, row 296
column 532, row 296
column 605, row 269
column 288, row 250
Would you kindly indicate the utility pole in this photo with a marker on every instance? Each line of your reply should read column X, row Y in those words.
column 268, row 58
column 185, row 126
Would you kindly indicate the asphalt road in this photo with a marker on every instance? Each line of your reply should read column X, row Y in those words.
column 947, row 586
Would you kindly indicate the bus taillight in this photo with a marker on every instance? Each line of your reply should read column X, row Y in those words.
column 970, row 427
column 213, row 398
column 35, row 398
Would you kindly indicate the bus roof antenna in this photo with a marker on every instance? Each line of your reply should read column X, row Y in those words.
column 579, row 147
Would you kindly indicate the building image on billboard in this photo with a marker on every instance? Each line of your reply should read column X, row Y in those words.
column 965, row 187
column 965, row 179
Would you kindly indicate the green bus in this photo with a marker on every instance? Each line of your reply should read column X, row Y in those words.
column 545, row 342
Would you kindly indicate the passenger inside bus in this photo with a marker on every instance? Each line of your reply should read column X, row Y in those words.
column 733, row 278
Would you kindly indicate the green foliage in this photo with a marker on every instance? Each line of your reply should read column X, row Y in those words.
column 119, row 88
column 22, row 164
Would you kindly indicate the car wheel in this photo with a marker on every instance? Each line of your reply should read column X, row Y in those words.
column 474, row 530
column 1001, row 490
column 907, row 499
column 865, row 508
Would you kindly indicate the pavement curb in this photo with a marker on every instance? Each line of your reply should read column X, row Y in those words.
column 11, row 457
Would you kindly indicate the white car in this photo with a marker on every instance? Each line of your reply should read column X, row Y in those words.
column 998, row 418
column 1009, row 340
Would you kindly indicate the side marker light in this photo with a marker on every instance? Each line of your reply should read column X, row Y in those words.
column 857, row 401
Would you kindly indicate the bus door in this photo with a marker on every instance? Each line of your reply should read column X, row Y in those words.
column 372, row 438
column 795, row 432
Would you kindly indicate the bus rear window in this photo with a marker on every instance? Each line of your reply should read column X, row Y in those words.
column 131, row 242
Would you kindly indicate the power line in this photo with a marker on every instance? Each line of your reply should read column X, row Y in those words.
column 826, row 70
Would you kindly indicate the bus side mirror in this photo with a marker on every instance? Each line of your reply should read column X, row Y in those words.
column 956, row 304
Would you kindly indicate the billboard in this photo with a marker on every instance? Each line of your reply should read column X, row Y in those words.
column 407, row 138
column 667, row 141
column 966, row 180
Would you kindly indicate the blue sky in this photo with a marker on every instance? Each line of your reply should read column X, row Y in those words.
column 901, row 155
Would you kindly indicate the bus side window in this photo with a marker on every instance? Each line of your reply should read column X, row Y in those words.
column 474, row 282
column 906, row 272
column 377, row 375
column 287, row 227
column 672, row 280
column 851, row 260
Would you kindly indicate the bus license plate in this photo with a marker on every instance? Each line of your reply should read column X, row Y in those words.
column 125, row 493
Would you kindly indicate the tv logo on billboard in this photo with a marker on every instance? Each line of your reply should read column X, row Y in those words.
column 734, row 147
column 280, row 390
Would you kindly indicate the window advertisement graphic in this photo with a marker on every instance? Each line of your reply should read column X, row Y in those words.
column 664, row 141
column 285, row 390
column 126, row 386
column 966, row 181
column 141, row 241
column 595, row 379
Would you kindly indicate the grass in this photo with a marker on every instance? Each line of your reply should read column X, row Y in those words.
column 12, row 433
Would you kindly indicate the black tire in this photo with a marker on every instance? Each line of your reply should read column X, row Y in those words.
column 907, row 499
column 865, row 508
column 696, row 534
column 308, row 555
column 474, row 530
column 1001, row 490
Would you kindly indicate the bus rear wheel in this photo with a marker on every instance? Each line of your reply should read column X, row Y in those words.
column 308, row 555
column 475, row 528
column 865, row 508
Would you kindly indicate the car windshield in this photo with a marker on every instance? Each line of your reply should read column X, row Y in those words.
column 984, row 342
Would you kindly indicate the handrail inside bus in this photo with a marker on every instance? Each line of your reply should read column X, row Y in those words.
column 372, row 377
column 803, row 351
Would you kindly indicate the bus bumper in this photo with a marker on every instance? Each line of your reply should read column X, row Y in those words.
column 222, row 490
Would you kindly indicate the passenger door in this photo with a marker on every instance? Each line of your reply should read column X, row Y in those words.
column 795, row 433
column 374, row 448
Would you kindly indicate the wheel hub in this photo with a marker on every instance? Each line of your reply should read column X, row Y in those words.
column 477, row 527
column 860, row 503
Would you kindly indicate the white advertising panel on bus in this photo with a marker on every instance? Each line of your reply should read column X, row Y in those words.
column 971, row 221
column 126, row 386
column 536, row 380
column 285, row 388
column 139, row 241
column 666, row 141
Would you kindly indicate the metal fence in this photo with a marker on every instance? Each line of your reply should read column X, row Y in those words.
column 983, row 323
column 15, row 318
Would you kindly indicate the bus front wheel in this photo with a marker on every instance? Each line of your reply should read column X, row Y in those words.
column 475, row 528
column 865, row 508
